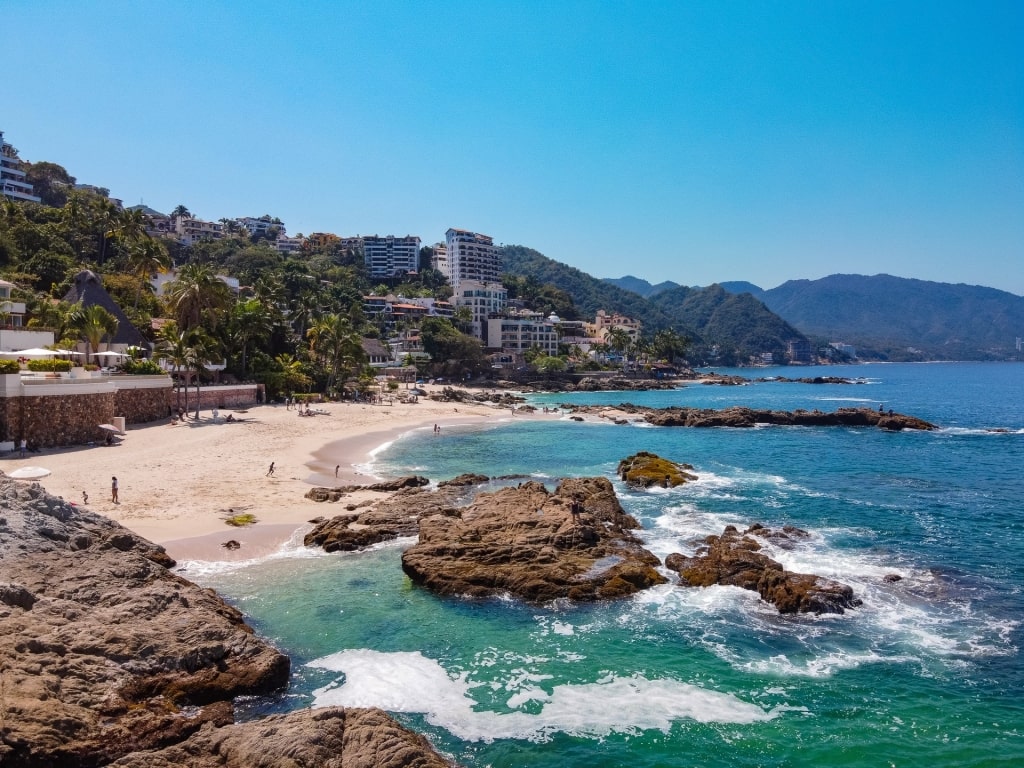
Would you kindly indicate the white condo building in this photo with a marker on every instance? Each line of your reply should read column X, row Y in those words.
column 12, row 178
column 390, row 256
column 471, row 256
column 483, row 300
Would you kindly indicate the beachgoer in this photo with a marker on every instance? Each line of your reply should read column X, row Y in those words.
column 85, row 497
column 575, row 506
column 113, row 490
column 231, row 417
column 216, row 413
column 336, row 468
column 24, row 447
column 270, row 472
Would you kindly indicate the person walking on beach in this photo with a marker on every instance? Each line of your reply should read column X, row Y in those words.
column 24, row 447
column 270, row 472
column 336, row 468
column 113, row 490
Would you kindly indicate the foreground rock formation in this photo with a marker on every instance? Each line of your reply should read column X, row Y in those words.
column 104, row 653
column 739, row 416
column 346, row 738
column 535, row 545
column 734, row 559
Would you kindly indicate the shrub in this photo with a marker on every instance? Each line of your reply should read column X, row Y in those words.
column 50, row 366
column 141, row 367
column 9, row 366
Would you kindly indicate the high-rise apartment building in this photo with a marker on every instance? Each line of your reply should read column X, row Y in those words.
column 391, row 256
column 12, row 178
column 471, row 256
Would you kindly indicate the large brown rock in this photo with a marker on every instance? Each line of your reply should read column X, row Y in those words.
column 322, row 738
column 644, row 469
column 389, row 519
column 734, row 559
column 530, row 543
column 101, row 647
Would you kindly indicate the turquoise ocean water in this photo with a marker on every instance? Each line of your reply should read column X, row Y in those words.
column 927, row 673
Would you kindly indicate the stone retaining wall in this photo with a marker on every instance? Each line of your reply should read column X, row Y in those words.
column 48, row 421
column 224, row 397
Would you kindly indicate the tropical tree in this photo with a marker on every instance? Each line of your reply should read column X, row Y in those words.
column 147, row 257
column 173, row 346
column 94, row 323
column 337, row 346
column 251, row 323
column 181, row 210
column 669, row 344
column 198, row 297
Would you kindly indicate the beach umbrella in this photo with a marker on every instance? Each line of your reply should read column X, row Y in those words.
column 33, row 352
column 69, row 352
column 108, row 353
column 109, row 428
column 29, row 473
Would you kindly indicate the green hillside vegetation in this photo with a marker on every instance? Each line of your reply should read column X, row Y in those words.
column 721, row 326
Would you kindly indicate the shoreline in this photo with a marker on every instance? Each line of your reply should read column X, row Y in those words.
column 178, row 483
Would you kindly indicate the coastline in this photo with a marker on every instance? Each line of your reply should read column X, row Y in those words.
column 178, row 483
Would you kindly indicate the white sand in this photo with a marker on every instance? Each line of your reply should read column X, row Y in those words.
column 178, row 483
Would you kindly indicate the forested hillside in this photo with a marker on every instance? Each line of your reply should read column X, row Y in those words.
column 721, row 326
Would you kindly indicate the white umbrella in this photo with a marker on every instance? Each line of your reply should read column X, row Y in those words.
column 109, row 428
column 68, row 352
column 29, row 473
column 108, row 353
column 34, row 352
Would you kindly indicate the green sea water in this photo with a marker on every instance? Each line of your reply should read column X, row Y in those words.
column 926, row 673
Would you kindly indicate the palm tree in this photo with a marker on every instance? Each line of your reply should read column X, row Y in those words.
column 145, row 258
column 181, row 210
column 172, row 345
column 251, row 322
column 94, row 324
column 337, row 346
column 198, row 297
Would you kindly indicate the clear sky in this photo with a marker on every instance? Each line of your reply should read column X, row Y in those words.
column 687, row 141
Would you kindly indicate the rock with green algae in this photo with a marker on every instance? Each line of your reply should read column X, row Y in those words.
column 644, row 469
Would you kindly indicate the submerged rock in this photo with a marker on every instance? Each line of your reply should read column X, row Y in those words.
column 535, row 545
column 734, row 559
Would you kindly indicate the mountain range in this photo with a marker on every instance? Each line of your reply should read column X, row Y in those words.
column 886, row 317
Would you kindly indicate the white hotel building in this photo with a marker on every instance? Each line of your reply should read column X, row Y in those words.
column 12, row 178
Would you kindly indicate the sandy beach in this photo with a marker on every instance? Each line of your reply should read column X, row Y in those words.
column 178, row 483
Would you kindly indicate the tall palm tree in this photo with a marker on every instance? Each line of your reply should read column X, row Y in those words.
column 251, row 323
column 94, row 323
column 172, row 345
column 181, row 210
column 145, row 258
column 337, row 346
column 198, row 297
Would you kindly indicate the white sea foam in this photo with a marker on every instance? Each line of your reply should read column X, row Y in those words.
column 293, row 549
column 412, row 683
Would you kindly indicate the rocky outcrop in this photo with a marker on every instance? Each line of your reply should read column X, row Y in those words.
column 107, row 657
column 388, row 486
column 734, row 559
column 739, row 416
column 353, row 738
column 535, row 545
column 104, row 651
column 643, row 469
column 395, row 517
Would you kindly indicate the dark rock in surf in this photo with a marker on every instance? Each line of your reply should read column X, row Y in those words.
column 734, row 559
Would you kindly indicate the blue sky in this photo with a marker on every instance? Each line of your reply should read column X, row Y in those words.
column 687, row 141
